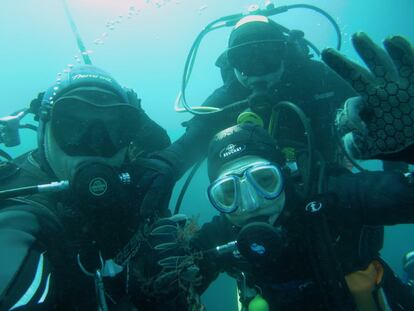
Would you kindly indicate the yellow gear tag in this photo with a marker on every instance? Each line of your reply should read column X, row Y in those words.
column 250, row 117
column 258, row 303
column 289, row 153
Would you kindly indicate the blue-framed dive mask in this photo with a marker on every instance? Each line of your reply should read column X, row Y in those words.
column 246, row 190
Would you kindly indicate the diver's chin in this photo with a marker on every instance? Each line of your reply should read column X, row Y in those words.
column 240, row 221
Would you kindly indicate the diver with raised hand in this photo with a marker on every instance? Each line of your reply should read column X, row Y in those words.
column 291, row 252
column 67, row 245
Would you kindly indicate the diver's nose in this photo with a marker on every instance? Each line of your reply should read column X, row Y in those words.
column 248, row 198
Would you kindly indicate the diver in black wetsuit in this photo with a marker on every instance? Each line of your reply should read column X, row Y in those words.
column 266, row 66
column 251, row 187
column 57, row 249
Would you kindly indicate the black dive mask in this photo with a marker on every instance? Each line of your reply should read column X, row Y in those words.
column 84, row 128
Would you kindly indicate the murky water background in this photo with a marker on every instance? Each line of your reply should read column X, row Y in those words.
column 144, row 45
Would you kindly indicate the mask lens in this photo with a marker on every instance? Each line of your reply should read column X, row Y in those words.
column 268, row 180
column 84, row 129
column 257, row 58
column 223, row 193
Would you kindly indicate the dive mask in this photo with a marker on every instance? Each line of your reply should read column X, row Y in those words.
column 84, row 128
column 248, row 190
column 257, row 58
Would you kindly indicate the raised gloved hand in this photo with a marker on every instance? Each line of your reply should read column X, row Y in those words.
column 380, row 123
column 167, row 272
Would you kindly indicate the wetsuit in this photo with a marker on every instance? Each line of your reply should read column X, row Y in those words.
column 42, row 235
column 310, row 84
column 353, row 204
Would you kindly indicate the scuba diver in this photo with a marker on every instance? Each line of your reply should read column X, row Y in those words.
column 72, row 211
column 265, row 65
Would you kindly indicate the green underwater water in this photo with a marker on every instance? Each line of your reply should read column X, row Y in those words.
column 146, row 51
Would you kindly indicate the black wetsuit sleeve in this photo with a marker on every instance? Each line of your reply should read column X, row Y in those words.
column 151, row 137
column 217, row 232
column 27, row 275
column 192, row 145
column 375, row 198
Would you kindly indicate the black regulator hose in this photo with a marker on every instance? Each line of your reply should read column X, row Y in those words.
column 320, row 11
column 308, row 133
column 5, row 155
column 189, row 63
column 185, row 186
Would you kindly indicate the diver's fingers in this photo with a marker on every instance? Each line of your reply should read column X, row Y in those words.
column 359, row 77
column 402, row 53
column 377, row 60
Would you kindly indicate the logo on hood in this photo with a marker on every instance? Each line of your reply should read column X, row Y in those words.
column 231, row 149
column 81, row 76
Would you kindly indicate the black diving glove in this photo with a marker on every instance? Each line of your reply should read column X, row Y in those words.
column 380, row 123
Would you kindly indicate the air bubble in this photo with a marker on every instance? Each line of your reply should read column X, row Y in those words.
column 253, row 8
column 56, row 88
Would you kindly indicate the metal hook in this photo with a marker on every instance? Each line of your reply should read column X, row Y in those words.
column 83, row 269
